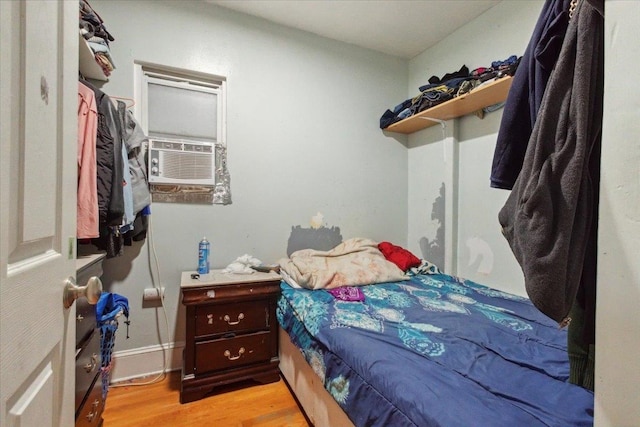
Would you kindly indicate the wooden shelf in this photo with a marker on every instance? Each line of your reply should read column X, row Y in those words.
column 491, row 93
column 88, row 65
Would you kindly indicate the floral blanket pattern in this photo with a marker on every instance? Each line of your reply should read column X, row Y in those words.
column 436, row 351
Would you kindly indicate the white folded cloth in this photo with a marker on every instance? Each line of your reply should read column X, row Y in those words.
column 242, row 265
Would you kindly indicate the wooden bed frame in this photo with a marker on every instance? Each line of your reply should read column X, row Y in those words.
column 321, row 409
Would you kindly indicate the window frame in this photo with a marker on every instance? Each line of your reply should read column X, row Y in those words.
column 194, row 80
column 146, row 73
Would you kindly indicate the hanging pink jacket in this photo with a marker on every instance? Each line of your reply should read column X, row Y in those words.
column 87, row 219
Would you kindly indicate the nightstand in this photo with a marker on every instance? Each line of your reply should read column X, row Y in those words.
column 232, row 331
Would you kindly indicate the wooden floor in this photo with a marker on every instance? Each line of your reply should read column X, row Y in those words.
column 270, row 405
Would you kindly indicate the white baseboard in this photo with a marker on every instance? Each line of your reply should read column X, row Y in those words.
column 145, row 361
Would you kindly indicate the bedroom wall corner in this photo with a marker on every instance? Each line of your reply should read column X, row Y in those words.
column 480, row 252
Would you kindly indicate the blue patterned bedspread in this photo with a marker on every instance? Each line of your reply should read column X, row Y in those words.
column 437, row 351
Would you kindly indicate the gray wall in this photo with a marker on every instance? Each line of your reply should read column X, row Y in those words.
column 302, row 134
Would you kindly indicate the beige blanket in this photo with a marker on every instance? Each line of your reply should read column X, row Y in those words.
column 354, row 262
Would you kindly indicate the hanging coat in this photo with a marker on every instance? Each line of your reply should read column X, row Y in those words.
column 549, row 215
column 133, row 137
column 527, row 89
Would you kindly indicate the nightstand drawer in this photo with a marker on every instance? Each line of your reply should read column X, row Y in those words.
column 235, row 317
column 91, row 412
column 85, row 320
column 87, row 366
column 228, row 353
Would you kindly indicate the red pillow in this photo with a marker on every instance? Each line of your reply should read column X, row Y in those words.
column 399, row 256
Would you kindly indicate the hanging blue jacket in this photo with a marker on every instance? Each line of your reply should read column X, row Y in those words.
column 525, row 96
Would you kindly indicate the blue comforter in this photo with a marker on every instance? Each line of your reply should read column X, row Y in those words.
column 436, row 351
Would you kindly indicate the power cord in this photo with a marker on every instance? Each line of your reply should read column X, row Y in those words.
column 152, row 253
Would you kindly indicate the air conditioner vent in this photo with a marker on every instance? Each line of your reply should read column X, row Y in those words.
column 175, row 162
column 181, row 165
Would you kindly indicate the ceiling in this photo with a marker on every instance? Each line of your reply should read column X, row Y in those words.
column 402, row 28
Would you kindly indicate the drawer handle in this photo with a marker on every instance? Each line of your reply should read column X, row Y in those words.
column 94, row 411
column 89, row 367
column 227, row 353
column 228, row 319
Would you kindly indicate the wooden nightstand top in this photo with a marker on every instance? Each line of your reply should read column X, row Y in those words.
column 218, row 278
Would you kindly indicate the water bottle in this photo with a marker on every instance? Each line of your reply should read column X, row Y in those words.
column 204, row 248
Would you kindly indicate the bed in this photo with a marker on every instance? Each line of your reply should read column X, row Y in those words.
column 434, row 350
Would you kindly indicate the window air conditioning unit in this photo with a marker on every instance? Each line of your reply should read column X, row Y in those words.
column 181, row 162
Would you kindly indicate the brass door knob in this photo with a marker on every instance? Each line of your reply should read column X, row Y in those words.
column 91, row 291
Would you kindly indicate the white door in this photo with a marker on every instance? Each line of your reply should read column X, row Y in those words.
column 38, row 128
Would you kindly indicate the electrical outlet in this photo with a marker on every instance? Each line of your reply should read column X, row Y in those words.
column 153, row 294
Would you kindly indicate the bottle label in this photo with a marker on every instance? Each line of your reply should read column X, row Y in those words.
column 203, row 259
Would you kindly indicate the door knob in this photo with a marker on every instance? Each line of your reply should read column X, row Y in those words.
column 91, row 291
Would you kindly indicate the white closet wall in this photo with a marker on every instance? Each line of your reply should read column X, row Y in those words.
column 618, row 311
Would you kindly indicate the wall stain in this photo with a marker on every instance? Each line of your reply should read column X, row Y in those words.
column 433, row 250
column 318, row 238
column 480, row 255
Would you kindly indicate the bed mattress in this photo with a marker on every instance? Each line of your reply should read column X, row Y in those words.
column 436, row 351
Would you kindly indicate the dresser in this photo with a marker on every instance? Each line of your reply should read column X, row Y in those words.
column 231, row 331
column 88, row 396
